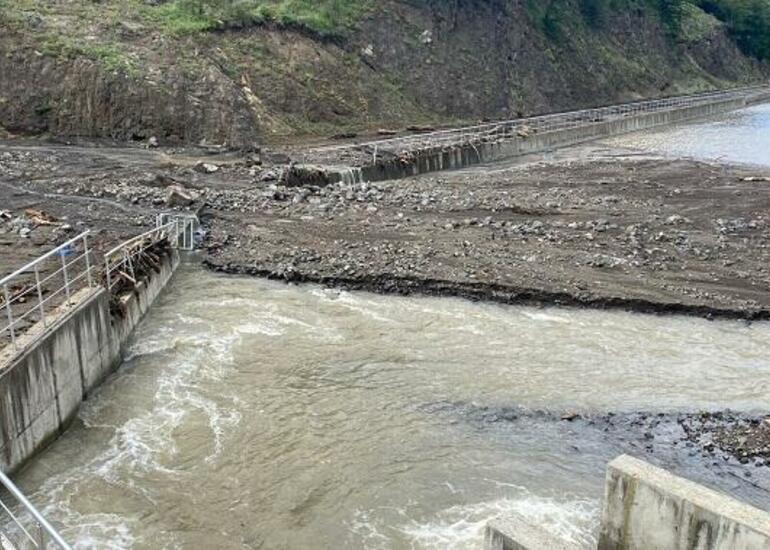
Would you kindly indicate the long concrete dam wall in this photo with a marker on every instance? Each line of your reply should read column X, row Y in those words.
column 477, row 153
column 56, row 367
column 453, row 149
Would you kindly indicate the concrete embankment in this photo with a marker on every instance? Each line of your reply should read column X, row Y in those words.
column 56, row 366
column 478, row 151
column 647, row 508
column 433, row 160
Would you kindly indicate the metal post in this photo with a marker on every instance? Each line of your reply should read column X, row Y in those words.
column 107, row 271
column 130, row 264
column 40, row 536
column 39, row 295
column 64, row 271
column 10, row 315
column 88, row 262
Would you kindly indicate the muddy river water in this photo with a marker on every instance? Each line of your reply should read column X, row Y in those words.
column 741, row 137
column 252, row 414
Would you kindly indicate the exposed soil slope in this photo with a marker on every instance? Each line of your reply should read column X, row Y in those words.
column 109, row 70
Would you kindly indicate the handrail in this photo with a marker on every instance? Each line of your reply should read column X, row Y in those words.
column 42, row 258
column 138, row 238
column 44, row 528
column 70, row 271
column 568, row 116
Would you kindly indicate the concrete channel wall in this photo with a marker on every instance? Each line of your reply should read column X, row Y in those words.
column 43, row 384
column 647, row 508
column 468, row 154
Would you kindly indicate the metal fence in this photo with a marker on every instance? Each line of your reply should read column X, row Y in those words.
column 178, row 229
column 120, row 262
column 186, row 227
column 30, row 293
column 25, row 526
column 521, row 127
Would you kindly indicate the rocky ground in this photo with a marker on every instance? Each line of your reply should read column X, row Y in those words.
column 593, row 227
column 609, row 231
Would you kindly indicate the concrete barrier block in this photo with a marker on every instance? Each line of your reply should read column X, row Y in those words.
column 647, row 508
column 516, row 533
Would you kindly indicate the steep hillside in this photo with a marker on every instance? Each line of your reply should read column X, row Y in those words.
column 130, row 69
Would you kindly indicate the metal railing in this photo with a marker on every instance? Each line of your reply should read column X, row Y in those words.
column 121, row 260
column 186, row 226
column 521, row 127
column 28, row 294
column 28, row 527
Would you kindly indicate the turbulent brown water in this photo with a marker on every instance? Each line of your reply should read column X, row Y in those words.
column 741, row 137
column 251, row 414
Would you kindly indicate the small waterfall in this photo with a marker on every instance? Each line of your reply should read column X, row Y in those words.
column 350, row 175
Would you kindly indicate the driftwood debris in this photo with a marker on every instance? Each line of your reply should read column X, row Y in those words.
column 146, row 258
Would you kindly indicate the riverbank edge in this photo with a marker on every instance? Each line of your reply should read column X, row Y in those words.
column 491, row 293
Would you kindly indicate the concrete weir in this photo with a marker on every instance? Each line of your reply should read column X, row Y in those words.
column 477, row 151
column 647, row 508
column 54, row 367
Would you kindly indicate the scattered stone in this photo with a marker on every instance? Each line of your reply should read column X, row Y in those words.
column 178, row 196
column 206, row 168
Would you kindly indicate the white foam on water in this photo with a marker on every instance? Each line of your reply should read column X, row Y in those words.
column 367, row 308
column 462, row 527
column 140, row 444
column 542, row 316
column 366, row 532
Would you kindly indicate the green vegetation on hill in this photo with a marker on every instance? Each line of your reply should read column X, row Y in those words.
column 748, row 21
column 554, row 17
column 325, row 17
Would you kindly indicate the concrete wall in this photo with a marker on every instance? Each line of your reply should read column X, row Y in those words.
column 647, row 508
column 43, row 384
column 442, row 158
column 516, row 533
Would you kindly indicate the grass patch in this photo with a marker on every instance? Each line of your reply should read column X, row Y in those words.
column 697, row 24
column 324, row 17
